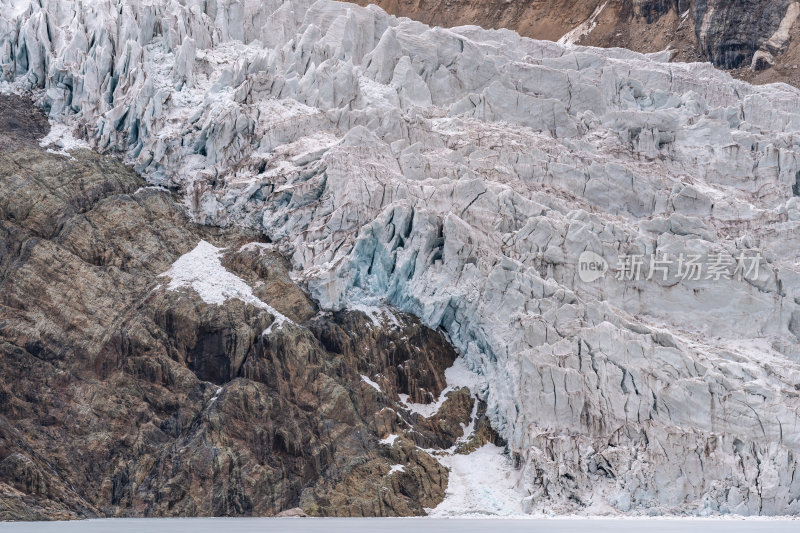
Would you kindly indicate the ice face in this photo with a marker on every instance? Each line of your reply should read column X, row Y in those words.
column 459, row 175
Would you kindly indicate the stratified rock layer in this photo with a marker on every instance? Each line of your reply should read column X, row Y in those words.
column 458, row 175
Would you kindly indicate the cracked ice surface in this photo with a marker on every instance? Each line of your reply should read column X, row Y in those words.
column 458, row 175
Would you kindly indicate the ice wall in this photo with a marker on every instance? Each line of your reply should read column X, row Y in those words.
column 459, row 175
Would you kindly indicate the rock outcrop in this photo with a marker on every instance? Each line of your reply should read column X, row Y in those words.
column 127, row 392
column 460, row 176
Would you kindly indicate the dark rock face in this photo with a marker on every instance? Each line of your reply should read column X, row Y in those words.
column 730, row 33
column 119, row 397
column 652, row 10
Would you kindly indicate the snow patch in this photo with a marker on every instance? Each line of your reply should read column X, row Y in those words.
column 215, row 397
column 426, row 409
column 780, row 38
column 457, row 376
column 371, row 383
column 467, row 201
column 480, row 484
column 60, row 136
column 584, row 28
column 379, row 316
column 261, row 246
column 389, row 441
column 202, row 271
column 151, row 187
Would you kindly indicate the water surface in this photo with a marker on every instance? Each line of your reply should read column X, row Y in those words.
column 403, row 525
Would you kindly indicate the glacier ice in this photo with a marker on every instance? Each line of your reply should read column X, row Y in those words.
column 458, row 174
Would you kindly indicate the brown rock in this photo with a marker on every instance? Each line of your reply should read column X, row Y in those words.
column 120, row 398
column 294, row 512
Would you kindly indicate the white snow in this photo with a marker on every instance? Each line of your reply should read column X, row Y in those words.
column 214, row 398
column 582, row 29
column 457, row 175
column 379, row 316
column 456, row 376
column 389, row 441
column 260, row 246
column 396, row 468
column 780, row 39
column 371, row 383
column 425, row 409
column 151, row 187
column 280, row 321
column 202, row 271
column 61, row 136
column 480, row 484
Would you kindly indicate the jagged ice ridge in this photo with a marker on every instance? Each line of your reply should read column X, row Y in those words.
column 458, row 175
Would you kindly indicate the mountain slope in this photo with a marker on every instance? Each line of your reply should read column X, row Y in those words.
column 137, row 381
column 460, row 176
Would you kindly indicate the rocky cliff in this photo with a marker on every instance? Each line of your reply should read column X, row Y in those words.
column 757, row 39
column 125, row 391
column 605, row 238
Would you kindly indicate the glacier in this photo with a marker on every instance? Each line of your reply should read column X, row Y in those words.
column 458, row 174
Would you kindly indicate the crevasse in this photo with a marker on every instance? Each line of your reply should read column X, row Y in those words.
column 458, row 175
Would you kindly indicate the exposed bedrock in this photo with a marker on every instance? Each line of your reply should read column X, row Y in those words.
column 458, row 175
column 125, row 391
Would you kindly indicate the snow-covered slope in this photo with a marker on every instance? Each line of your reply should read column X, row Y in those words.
column 459, row 175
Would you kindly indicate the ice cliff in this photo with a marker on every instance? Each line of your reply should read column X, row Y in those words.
column 458, row 175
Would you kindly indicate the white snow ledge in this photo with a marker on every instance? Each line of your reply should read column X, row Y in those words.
column 202, row 271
